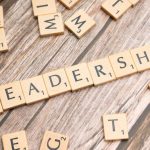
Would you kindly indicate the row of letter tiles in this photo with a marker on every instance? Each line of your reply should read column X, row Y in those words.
column 74, row 78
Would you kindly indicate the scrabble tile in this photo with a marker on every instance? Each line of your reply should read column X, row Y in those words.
column 1, row 109
column 134, row 2
column 116, row 8
column 43, row 7
column 69, row 3
column 54, row 141
column 51, row 24
column 141, row 57
column 3, row 43
column 56, row 82
column 101, row 71
column 79, row 76
column 11, row 95
column 115, row 127
column 80, row 23
column 15, row 141
column 1, row 17
column 123, row 64
column 34, row 89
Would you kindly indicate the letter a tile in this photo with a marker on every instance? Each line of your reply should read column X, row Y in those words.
column 11, row 95
column 1, row 109
column 3, row 43
column 56, row 82
column 51, row 24
column 116, row 8
column 1, row 17
column 34, row 89
column 80, row 23
column 15, row 141
column 69, row 3
column 115, row 127
column 54, row 141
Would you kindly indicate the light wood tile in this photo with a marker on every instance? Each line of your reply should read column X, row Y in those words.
column 54, row 141
column 122, row 64
column 34, row 89
column 1, row 17
column 15, row 141
column 69, row 3
column 51, row 24
column 115, row 127
column 3, row 43
column 134, row 2
column 79, row 76
column 80, row 23
column 1, row 109
column 43, row 7
column 11, row 95
column 101, row 71
column 56, row 82
column 116, row 8
column 141, row 57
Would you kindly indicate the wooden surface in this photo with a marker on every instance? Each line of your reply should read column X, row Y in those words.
column 77, row 114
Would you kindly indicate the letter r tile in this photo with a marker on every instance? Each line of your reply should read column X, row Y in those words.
column 56, row 82
column 15, row 141
column 11, row 95
column 115, row 127
column 54, row 141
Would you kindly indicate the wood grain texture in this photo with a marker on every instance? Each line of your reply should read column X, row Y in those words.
column 77, row 114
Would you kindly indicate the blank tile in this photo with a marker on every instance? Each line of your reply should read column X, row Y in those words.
column 79, row 76
column 1, row 109
column 69, row 3
column 51, row 24
column 56, row 82
column 34, row 89
column 123, row 64
column 115, row 127
column 80, row 23
column 3, row 43
column 15, row 141
column 116, row 8
column 134, row 2
column 101, row 71
column 43, row 7
column 54, row 141
column 11, row 95
column 141, row 57
column 1, row 17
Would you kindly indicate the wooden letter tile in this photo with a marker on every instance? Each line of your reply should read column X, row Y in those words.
column 34, row 89
column 69, row 3
column 116, row 8
column 43, row 7
column 11, row 95
column 79, row 76
column 141, row 57
column 51, row 24
column 3, row 43
column 54, row 141
column 1, row 109
column 1, row 17
column 56, row 82
column 134, row 2
column 15, row 141
column 123, row 64
column 101, row 71
column 80, row 23
column 115, row 127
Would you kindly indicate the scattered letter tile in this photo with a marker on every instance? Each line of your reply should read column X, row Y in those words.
column 101, row 71
column 1, row 109
column 15, row 141
column 134, row 2
column 3, row 43
column 80, row 23
column 34, row 89
column 11, row 95
column 1, row 17
column 51, row 24
column 116, row 8
column 79, row 76
column 54, row 141
column 115, row 127
column 56, row 82
column 141, row 57
column 123, row 64
column 44, row 7
column 69, row 3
